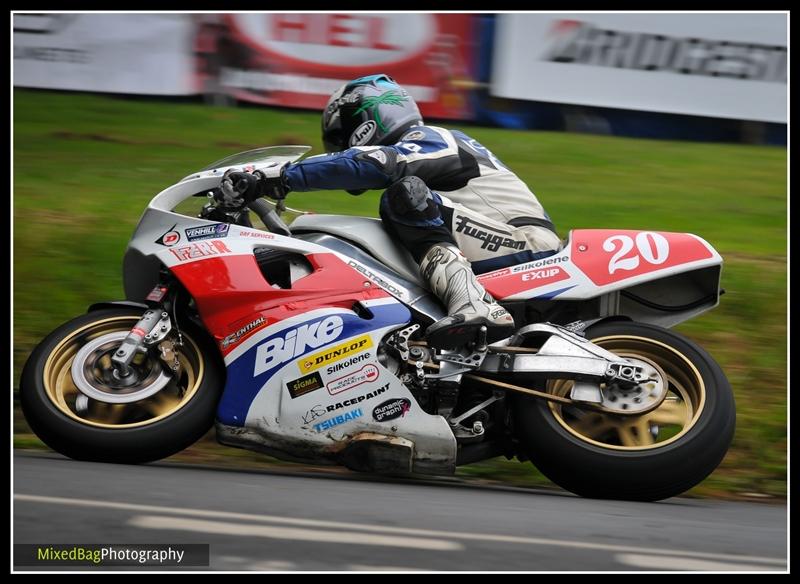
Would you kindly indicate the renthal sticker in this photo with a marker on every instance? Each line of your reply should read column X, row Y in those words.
column 366, row 374
column 336, row 367
column 363, row 133
column 236, row 337
column 539, row 264
column 391, row 410
column 319, row 410
column 293, row 343
column 170, row 238
column 216, row 231
column 200, row 250
column 386, row 285
column 338, row 420
column 304, row 385
column 317, row 360
column 541, row 274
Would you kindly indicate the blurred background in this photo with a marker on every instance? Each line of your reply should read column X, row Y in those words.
column 671, row 122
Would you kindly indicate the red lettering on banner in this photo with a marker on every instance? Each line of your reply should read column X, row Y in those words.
column 338, row 28
column 376, row 32
column 290, row 28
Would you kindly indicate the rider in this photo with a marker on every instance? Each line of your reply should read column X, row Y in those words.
column 478, row 211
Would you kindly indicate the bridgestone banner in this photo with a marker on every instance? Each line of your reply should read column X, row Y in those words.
column 716, row 65
column 115, row 53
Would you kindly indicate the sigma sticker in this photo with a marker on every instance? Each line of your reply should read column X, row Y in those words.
column 216, row 231
column 366, row 374
column 304, row 385
column 338, row 420
column 170, row 238
column 317, row 360
column 363, row 133
column 391, row 409
column 237, row 336
column 295, row 342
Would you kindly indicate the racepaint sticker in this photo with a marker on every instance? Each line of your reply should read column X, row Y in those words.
column 317, row 360
column 215, row 231
column 391, row 410
column 338, row 420
column 304, row 385
column 366, row 374
column 319, row 410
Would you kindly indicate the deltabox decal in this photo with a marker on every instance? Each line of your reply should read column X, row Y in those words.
column 345, row 349
column 385, row 284
column 170, row 238
column 304, row 385
column 366, row 374
column 216, row 231
column 293, row 343
column 237, row 336
column 319, row 410
column 391, row 409
column 200, row 250
column 338, row 420
column 346, row 363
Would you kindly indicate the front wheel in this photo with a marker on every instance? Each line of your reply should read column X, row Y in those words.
column 648, row 457
column 152, row 416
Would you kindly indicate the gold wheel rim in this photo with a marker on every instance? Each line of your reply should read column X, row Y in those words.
column 63, row 393
column 677, row 414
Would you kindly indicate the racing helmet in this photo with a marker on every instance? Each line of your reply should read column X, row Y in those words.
column 372, row 110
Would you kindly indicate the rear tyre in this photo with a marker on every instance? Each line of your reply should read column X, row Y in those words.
column 648, row 457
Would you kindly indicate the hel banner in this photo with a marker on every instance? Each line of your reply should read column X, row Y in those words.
column 299, row 60
column 116, row 53
column 723, row 65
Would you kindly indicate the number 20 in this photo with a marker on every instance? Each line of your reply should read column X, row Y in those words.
column 653, row 247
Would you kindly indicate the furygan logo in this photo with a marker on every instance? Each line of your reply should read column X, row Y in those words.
column 492, row 238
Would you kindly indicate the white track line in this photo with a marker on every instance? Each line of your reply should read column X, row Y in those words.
column 291, row 533
column 320, row 524
column 682, row 563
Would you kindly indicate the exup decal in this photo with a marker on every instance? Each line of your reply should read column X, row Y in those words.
column 169, row 238
column 237, row 336
column 366, row 374
column 363, row 134
column 200, row 250
column 304, row 385
column 338, row 420
column 391, row 409
column 314, row 362
column 215, row 231
column 295, row 342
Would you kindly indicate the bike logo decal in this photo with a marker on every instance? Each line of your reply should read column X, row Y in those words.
column 304, row 385
column 368, row 373
column 338, row 420
column 314, row 362
column 293, row 343
column 170, row 238
column 215, row 231
column 391, row 409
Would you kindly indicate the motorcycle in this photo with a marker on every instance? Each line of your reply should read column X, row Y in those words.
column 306, row 342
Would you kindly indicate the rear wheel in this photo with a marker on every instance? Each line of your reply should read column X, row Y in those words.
column 149, row 416
column 655, row 455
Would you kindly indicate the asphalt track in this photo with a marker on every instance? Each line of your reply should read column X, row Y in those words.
column 285, row 521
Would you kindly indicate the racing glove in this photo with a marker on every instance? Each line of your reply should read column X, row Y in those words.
column 240, row 188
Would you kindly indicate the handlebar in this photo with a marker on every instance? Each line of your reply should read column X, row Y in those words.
column 269, row 217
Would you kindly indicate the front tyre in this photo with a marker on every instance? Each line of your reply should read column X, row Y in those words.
column 647, row 457
column 113, row 425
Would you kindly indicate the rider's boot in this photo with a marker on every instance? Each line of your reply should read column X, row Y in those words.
column 469, row 306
